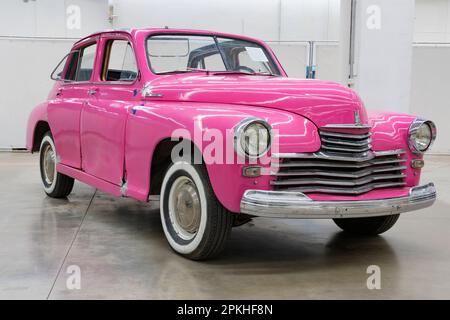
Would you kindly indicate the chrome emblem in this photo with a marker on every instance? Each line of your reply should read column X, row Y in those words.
column 147, row 91
column 357, row 118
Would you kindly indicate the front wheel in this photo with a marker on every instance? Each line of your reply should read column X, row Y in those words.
column 367, row 226
column 56, row 185
column 196, row 225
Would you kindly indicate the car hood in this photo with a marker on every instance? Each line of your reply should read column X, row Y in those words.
column 322, row 102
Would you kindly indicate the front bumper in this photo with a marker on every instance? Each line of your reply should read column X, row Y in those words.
column 296, row 205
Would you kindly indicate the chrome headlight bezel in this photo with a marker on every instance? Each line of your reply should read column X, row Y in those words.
column 414, row 129
column 240, row 131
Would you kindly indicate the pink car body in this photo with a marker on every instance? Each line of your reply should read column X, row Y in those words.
column 108, row 134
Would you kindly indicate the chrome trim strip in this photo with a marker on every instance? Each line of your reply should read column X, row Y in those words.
column 154, row 197
column 345, row 135
column 330, row 182
column 124, row 188
column 389, row 152
column 346, row 191
column 326, row 164
column 338, row 174
column 327, row 156
column 346, row 126
column 146, row 91
column 297, row 205
column 345, row 143
column 355, row 150
column 357, row 143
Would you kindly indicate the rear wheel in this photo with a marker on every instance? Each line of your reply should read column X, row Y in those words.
column 367, row 226
column 196, row 225
column 56, row 185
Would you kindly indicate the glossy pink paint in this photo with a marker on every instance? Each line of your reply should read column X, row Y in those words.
column 108, row 138
column 296, row 133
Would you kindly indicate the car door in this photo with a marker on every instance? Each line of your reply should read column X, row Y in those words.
column 105, row 114
column 64, row 110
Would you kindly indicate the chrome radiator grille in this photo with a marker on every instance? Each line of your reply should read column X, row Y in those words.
column 344, row 142
column 345, row 165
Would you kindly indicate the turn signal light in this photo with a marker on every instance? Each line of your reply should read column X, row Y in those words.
column 251, row 172
column 417, row 163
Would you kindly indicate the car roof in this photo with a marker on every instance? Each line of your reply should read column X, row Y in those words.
column 133, row 31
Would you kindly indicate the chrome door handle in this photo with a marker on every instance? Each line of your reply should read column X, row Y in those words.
column 92, row 92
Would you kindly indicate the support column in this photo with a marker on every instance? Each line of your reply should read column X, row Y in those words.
column 344, row 41
column 382, row 53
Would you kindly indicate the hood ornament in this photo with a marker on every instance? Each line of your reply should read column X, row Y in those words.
column 357, row 125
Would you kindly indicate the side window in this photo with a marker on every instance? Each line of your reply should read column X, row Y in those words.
column 119, row 63
column 71, row 70
column 57, row 73
column 86, row 63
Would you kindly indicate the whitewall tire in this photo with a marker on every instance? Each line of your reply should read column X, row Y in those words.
column 195, row 224
column 56, row 185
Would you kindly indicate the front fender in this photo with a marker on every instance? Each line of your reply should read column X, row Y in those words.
column 390, row 132
column 156, row 121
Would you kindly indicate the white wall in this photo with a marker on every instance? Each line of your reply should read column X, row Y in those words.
column 25, row 84
column 34, row 36
column 52, row 18
column 286, row 20
column 430, row 87
column 384, row 35
column 432, row 22
column 286, row 24
column 431, row 67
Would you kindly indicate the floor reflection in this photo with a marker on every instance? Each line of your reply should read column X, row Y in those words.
column 122, row 252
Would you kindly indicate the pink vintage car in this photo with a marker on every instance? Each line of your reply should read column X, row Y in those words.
column 209, row 125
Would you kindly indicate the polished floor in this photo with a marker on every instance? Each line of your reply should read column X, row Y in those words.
column 119, row 247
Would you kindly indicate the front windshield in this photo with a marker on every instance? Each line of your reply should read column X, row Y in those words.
column 192, row 53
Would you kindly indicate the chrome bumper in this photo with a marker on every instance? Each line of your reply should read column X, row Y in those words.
column 296, row 205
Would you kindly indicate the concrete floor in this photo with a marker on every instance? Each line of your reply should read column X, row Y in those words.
column 120, row 248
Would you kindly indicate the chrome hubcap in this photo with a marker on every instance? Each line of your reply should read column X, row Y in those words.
column 49, row 164
column 184, row 208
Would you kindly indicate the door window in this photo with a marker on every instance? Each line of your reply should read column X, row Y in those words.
column 71, row 70
column 86, row 63
column 119, row 62
column 80, row 64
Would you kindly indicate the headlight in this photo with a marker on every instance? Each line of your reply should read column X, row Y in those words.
column 422, row 134
column 252, row 138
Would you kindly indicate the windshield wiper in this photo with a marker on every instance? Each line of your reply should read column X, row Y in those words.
column 244, row 73
column 197, row 70
column 265, row 74
column 185, row 71
column 221, row 72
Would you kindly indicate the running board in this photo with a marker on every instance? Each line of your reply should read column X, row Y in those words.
column 95, row 182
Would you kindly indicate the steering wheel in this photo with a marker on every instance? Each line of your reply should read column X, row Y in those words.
column 244, row 69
